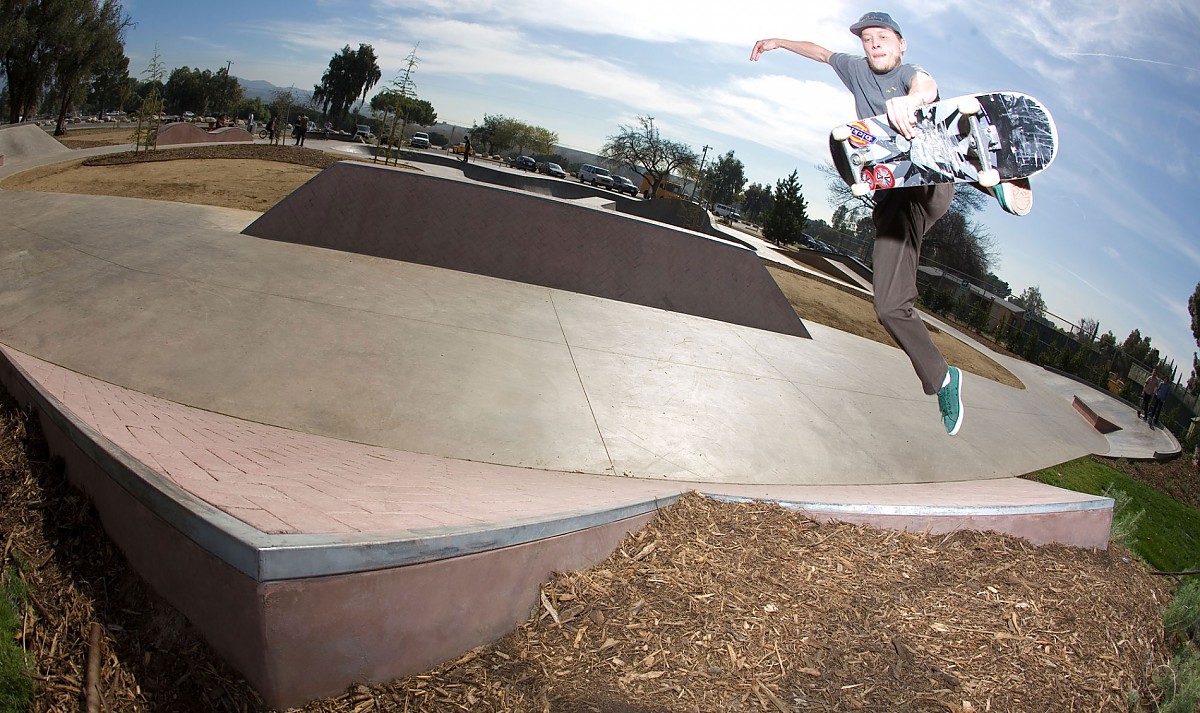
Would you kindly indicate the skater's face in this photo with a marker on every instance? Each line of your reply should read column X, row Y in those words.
column 883, row 47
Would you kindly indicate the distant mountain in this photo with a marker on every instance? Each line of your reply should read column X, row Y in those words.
column 259, row 89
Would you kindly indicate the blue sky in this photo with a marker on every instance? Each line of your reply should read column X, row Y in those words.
column 1110, row 237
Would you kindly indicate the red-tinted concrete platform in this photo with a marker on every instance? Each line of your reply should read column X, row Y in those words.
column 318, row 456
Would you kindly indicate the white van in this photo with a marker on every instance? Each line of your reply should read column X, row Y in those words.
column 722, row 210
column 595, row 175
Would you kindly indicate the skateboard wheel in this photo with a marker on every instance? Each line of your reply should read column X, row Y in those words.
column 989, row 178
column 858, row 190
column 841, row 132
column 968, row 105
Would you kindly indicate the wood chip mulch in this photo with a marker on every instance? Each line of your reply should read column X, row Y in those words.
column 300, row 155
column 712, row 607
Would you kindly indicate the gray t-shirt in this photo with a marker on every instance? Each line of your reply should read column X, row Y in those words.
column 871, row 91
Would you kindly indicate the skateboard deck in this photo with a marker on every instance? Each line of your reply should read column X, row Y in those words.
column 979, row 138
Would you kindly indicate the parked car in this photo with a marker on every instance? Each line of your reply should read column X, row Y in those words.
column 525, row 163
column 364, row 131
column 551, row 169
column 622, row 184
column 722, row 210
column 595, row 175
column 419, row 140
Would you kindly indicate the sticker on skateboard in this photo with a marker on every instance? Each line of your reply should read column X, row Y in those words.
column 980, row 138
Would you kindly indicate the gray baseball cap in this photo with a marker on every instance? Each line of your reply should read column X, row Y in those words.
column 876, row 19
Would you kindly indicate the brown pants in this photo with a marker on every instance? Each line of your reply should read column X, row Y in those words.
column 902, row 217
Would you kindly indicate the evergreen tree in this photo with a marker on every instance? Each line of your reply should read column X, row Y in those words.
column 789, row 213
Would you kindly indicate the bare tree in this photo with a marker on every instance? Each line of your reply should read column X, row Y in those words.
column 648, row 154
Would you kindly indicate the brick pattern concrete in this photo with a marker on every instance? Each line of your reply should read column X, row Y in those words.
column 280, row 481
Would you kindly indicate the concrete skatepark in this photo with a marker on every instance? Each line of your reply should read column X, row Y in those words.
column 318, row 430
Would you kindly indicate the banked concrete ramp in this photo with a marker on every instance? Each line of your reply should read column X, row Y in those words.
column 24, row 141
column 512, row 235
column 183, row 133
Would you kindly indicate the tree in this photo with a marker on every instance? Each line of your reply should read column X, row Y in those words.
column 351, row 74
column 956, row 242
column 648, row 154
column 1031, row 299
column 757, row 201
column 282, row 102
column 111, row 86
column 1088, row 328
column 483, row 134
column 1194, row 310
column 788, row 216
column 54, row 43
column 94, row 31
column 202, row 91
column 724, row 179
column 997, row 286
column 408, row 109
column 1193, row 385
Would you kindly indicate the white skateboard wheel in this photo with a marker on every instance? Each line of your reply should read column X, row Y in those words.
column 989, row 178
column 858, row 190
column 968, row 105
column 841, row 132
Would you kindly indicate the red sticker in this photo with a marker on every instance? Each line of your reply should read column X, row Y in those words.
column 868, row 178
column 884, row 178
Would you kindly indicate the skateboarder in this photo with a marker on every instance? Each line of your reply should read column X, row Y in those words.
column 882, row 84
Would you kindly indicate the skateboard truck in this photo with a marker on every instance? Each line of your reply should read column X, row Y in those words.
column 841, row 134
column 970, row 107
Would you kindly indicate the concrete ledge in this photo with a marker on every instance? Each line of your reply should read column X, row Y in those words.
column 1098, row 422
column 300, row 638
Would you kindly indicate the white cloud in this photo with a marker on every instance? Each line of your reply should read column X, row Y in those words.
column 660, row 22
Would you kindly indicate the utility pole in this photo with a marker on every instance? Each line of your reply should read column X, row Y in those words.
column 228, row 64
column 699, row 173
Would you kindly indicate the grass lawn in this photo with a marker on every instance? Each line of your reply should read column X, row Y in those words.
column 1167, row 535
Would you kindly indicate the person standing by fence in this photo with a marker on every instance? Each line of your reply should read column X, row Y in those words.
column 1160, row 398
column 1148, row 395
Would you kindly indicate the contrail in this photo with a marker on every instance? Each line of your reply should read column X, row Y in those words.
column 1131, row 59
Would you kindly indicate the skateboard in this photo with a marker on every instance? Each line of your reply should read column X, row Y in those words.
column 980, row 138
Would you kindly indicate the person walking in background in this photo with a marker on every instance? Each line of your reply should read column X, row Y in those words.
column 1160, row 398
column 272, row 123
column 1148, row 394
column 466, row 148
column 882, row 84
column 301, row 129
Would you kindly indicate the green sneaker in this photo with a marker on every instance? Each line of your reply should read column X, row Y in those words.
column 950, row 402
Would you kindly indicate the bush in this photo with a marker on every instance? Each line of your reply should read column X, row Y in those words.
column 1181, row 620
column 1180, row 683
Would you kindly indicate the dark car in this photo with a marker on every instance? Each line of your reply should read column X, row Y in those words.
column 551, row 169
column 622, row 184
column 525, row 163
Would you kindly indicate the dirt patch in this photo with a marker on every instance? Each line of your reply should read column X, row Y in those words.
column 820, row 302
